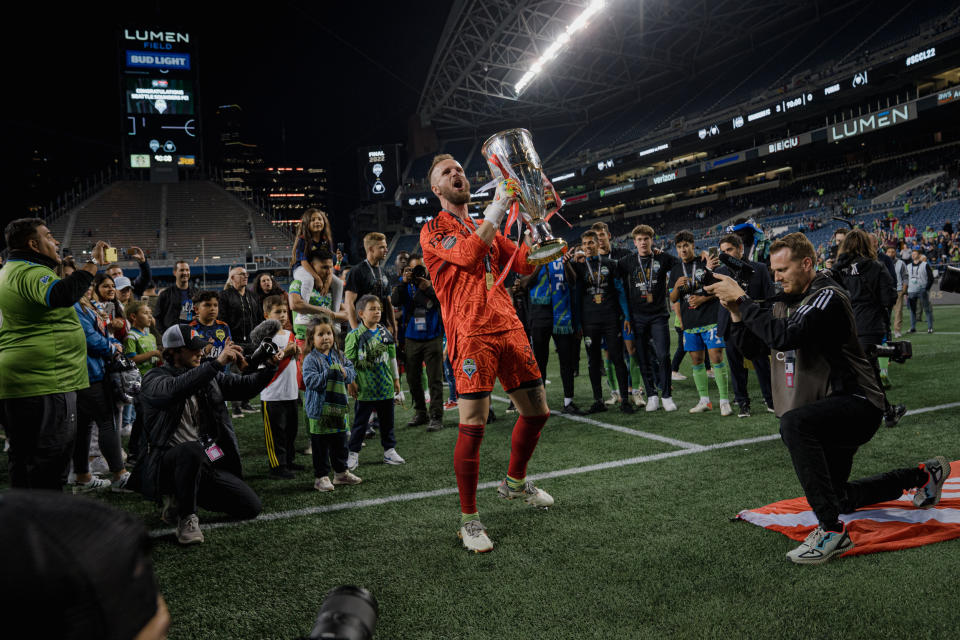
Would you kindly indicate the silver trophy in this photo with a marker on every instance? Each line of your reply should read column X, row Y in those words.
column 510, row 154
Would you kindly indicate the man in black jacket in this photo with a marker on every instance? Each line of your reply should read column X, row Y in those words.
column 192, row 457
column 175, row 304
column 825, row 393
column 241, row 310
column 760, row 287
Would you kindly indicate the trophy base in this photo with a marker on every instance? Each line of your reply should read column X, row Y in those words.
column 546, row 252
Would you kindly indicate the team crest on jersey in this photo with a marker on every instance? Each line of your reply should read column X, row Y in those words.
column 45, row 279
column 469, row 367
column 221, row 334
column 656, row 267
column 448, row 242
column 604, row 271
column 698, row 275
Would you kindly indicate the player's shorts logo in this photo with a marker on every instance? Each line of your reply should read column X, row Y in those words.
column 469, row 367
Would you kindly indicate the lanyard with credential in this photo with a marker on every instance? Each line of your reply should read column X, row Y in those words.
column 597, row 282
column 487, row 266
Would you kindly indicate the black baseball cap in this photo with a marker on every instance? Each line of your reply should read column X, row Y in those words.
column 183, row 335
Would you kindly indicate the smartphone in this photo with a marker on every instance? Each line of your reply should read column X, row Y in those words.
column 713, row 252
column 110, row 254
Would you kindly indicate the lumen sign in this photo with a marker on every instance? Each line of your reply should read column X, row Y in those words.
column 873, row 122
column 149, row 39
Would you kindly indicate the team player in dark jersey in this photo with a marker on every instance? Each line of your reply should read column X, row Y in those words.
column 485, row 339
column 644, row 275
column 602, row 302
column 698, row 312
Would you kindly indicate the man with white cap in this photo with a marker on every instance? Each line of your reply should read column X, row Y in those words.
column 192, row 457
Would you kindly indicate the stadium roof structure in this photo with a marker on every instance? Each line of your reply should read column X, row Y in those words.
column 632, row 52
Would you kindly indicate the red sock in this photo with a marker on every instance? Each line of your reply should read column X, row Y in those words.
column 525, row 435
column 466, row 464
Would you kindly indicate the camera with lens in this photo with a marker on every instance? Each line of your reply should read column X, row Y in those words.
column 347, row 613
column 899, row 352
column 419, row 272
column 124, row 378
column 264, row 351
column 739, row 269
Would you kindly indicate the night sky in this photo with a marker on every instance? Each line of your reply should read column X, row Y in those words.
column 315, row 79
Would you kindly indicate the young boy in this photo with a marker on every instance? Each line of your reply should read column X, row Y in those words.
column 206, row 308
column 280, row 415
column 373, row 352
column 140, row 346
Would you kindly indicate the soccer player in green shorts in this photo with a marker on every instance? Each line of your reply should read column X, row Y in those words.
column 697, row 310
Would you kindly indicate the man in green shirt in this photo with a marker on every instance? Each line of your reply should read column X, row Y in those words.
column 42, row 354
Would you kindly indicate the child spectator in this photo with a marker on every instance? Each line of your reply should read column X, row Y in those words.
column 279, row 397
column 326, row 374
column 313, row 232
column 140, row 346
column 373, row 352
column 206, row 309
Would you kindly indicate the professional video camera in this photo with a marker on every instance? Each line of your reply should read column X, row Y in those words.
column 347, row 613
column 262, row 336
column 124, row 378
column 899, row 352
column 950, row 280
column 739, row 269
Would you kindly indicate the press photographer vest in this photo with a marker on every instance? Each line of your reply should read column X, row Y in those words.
column 811, row 373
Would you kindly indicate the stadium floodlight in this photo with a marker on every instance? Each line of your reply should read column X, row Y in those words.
column 553, row 50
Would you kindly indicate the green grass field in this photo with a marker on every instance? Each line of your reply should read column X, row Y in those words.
column 641, row 547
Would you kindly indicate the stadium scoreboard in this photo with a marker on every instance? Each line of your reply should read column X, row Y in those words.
column 158, row 83
column 379, row 172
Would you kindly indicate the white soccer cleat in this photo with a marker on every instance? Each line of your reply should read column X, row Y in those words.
column 668, row 404
column 531, row 495
column 323, row 484
column 614, row 398
column 390, row 456
column 702, row 406
column 725, row 408
column 638, row 398
column 653, row 403
column 474, row 537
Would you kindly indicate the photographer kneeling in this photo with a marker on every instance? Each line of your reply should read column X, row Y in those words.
column 192, row 457
column 825, row 393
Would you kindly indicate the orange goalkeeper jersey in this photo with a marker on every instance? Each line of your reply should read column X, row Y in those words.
column 458, row 261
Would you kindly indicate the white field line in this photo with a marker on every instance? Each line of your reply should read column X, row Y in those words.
column 613, row 427
column 420, row 495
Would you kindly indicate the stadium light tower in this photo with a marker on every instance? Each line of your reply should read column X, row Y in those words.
column 553, row 50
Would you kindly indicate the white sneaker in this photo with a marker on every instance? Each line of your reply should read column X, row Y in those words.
column 820, row 546
column 95, row 484
column 530, row 494
column 346, row 478
column 668, row 404
column 188, row 530
column 897, row 334
column 614, row 398
column 638, row 398
column 323, row 484
column 390, row 456
column 653, row 403
column 474, row 537
column 353, row 461
column 725, row 409
column 677, row 376
column 703, row 405
column 120, row 485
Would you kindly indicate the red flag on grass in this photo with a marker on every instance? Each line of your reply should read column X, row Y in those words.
column 885, row 526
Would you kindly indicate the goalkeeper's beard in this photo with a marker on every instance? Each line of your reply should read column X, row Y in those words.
column 457, row 197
